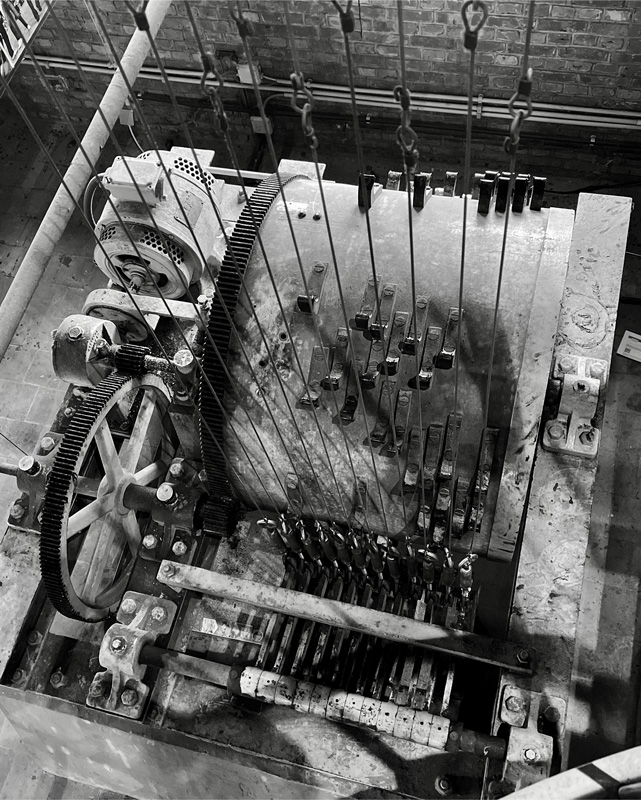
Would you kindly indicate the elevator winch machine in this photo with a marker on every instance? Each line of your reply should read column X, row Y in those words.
column 278, row 513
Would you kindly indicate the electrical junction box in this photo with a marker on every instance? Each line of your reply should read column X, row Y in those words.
column 128, row 178
column 259, row 127
column 245, row 75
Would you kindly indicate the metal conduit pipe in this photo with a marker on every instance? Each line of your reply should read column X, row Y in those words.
column 421, row 101
column 59, row 213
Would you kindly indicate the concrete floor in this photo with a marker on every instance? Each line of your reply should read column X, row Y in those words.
column 604, row 715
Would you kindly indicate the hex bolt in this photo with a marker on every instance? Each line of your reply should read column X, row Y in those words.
column 179, row 548
column 96, row 690
column 101, row 347
column 168, row 570
column 176, row 470
column 530, row 755
column 566, row 364
column 202, row 299
column 118, row 644
column 58, row 679
column 165, row 493
column 17, row 676
column 34, row 638
column 587, row 437
column 29, row 465
column 597, row 370
column 47, row 444
column 75, row 332
column 184, row 361
column 556, row 431
column 129, row 697
column 514, row 703
column 523, row 656
column 149, row 541
column 69, row 412
column 17, row 512
column 128, row 606
column 158, row 613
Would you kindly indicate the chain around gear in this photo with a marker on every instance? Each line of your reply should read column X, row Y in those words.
column 54, row 565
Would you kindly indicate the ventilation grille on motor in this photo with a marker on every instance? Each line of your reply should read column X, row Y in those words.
column 108, row 233
column 188, row 167
column 151, row 239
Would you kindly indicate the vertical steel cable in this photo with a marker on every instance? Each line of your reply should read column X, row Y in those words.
column 511, row 144
column 407, row 141
column 167, row 173
column 133, row 244
column 470, row 41
column 268, row 266
column 347, row 25
column 339, row 286
column 5, row 86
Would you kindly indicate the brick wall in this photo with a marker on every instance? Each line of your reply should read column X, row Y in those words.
column 582, row 51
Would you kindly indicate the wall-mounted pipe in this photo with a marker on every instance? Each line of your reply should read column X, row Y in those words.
column 497, row 108
column 59, row 213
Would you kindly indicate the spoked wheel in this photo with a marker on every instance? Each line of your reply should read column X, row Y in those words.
column 88, row 547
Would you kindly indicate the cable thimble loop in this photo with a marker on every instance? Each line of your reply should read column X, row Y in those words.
column 245, row 27
column 523, row 93
column 348, row 23
column 209, row 68
column 305, row 111
column 405, row 134
column 470, row 34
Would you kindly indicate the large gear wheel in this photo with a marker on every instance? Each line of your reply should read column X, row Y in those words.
column 88, row 549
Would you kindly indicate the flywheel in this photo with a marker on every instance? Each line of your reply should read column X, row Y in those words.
column 120, row 436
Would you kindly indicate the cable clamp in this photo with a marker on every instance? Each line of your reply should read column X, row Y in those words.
column 348, row 23
column 139, row 15
column 245, row 27
column 471, row 34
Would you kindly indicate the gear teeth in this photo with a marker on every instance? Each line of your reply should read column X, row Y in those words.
column 57, row 493
column 219, row 518
column 130, row 359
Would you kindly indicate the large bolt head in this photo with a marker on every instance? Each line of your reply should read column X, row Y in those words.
column 129, row 697
column 176, row 470
column 566, row 364
column 168, row 570
column 165, row 493
column 96, row 690
column 75, row 332
column 158, row 613
column 523, row 656
column 58, row 679
column 128, row 606
column 597, row 370
column 29, row 465
column 556, row 431
column 118, row 644
column 514, row 703
column 47, row 444
column 530, row 755
column 17, row 512
column 179, row 548
column 149, row 541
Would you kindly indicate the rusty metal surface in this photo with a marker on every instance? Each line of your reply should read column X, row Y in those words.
column 550, row 573
column 437, row 240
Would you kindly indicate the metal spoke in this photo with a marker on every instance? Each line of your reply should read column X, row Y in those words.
column 131, row 451
column 109, row 455
column 86, row 516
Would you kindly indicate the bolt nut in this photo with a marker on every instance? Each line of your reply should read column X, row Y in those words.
column 158, row 613
column 184, row 360
column 149, row 541
column 128, row 606
column 17, row 676
column 443, row 785
column 514, row 703
column 556, row 431
column 587, row 437
column 29, row 465
column 165, row 493
column 75, row 332
column 129, row 697
column 34, row 638
column 566, row 364
column 530, row 755
column 597, row 370
column 118, row 644
column 179, row 548
column 17, row 512
column 168, row 570
column 96, row 689
column 47, row 444
column 68, row 412
column 176, row 470
column 523, row 656
column 58, row 679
